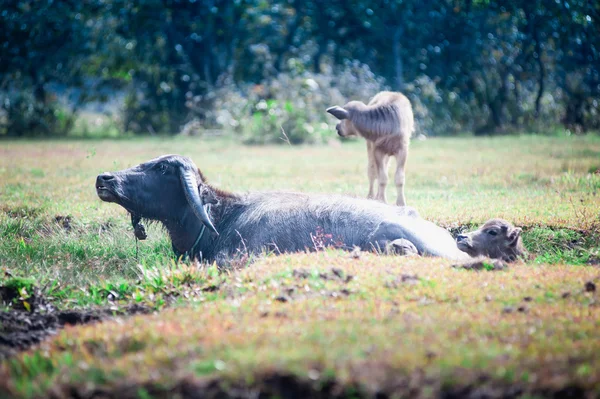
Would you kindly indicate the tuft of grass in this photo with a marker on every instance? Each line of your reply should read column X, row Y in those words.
column 79, row 254
column 19, row 284
column 156, row 286
column 559, row 245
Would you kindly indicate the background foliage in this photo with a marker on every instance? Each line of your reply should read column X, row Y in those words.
column 256, row 67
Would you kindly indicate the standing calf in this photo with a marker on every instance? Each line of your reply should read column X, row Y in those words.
column 387, row 123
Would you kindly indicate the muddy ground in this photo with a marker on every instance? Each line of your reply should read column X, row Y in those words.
column 280, row 385
column 21, row 328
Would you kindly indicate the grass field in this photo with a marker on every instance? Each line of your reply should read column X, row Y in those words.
column 323, row 323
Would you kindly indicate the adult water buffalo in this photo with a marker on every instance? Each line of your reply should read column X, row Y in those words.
column 214, row 225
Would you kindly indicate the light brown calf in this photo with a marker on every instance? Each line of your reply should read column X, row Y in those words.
column 387, row 123
column 497, row 239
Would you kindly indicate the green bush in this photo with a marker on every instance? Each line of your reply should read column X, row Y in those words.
column 289, row 108
column 22, row 114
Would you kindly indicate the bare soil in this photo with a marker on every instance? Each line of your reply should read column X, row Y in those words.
column 20, row 329
column 282, row 385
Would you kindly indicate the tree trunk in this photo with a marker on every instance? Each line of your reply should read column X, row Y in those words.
column 517, row 112
column 541, row 67
column 289, row 37
column 495, row 104
column 574, row 115
column 208, row 45
column 498, row 103
column 398, row 65
column 232, row 45
column 321, row 50
column 541, row 77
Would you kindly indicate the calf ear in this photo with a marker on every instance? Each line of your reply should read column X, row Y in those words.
column 338, row 112
column 208, row 195
column 513, row 237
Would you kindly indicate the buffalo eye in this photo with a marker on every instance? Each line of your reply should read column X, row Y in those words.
column 492, row 232
column 162, row 168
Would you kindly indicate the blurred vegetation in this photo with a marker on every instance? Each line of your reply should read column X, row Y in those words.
column 264, row 68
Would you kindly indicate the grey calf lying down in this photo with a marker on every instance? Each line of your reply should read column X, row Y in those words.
column 209, row 224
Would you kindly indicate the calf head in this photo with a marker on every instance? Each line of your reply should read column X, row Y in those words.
column 497, row 239
column 345, row 127
column 160, row 189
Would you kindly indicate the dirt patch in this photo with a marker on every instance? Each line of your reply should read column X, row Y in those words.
column 32, row 302
column 397, row 281
column 21, row 329
column 333, row 274
column 482, row 264
column 300, row 290
column 106, row 226
column 21, row 212
column 285, row 385
column 590, row 286
column 297, row 292
column 64, row 222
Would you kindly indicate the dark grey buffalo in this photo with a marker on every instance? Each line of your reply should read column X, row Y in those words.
column 213, row 225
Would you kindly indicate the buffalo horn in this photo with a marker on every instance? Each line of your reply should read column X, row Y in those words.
column 190, row 188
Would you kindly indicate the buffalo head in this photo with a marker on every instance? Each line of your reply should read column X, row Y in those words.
column 159, row 189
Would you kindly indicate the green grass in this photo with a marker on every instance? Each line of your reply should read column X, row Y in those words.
column 294, row 314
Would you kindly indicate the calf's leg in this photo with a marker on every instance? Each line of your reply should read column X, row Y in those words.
column 371, row 168
column 400, row 176
column 381, row 162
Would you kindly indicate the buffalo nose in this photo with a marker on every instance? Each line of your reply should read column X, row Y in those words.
column 105, row 177
column 461, row 237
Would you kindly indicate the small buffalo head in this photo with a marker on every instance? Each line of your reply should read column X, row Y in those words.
column 496, row 239
column 345, row 127
column 159, row 189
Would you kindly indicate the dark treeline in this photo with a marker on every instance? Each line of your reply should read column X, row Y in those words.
column 468, row 65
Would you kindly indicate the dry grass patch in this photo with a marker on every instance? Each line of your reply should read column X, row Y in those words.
column 529, row 325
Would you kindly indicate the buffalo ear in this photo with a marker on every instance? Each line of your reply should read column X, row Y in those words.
column 338, row 112
column 513, row 237
column 207, row 194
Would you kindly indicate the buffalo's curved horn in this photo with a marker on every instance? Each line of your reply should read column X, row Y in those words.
column 190, row 188
column 338, row 112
